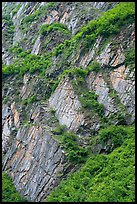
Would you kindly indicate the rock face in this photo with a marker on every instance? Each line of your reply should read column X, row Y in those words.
column 98, row 84
column 67, row 106
column 125, row 87
column 73, row 14
column 35, row 160
column 32, row 153
column 118, row 78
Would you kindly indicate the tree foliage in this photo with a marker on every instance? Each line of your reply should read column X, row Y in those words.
column 103, row 178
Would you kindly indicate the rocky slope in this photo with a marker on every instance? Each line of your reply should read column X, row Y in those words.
column 35, row 104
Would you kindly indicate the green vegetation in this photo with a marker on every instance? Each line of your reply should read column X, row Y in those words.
column 94, row 66
column 30, row 100
column 60, row 129
column 109, row 24
column 9, row 192
column 75, row 153
column 15, row 50
column 89, row 101
column 130, row 58
column 7, row 19
column 122, row 114
column 103, row 178
column 116, row 134
column 46, row 28
column 27, row 62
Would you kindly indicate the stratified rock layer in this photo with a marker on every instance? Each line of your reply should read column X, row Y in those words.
column 31, row 155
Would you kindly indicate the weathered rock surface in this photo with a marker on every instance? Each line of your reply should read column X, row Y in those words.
column 10, row 121
column 67, row 106
column 32, row 155
column 73, row 14
column 35, row 160
column 125, row 87
column 98, row 84
column 120, row 78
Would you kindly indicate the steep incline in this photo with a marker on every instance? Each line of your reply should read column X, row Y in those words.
column 68, row 72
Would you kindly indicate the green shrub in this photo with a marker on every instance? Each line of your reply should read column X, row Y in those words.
column 9, row 22
column 94, row 66
column 109, row 23
column 79, row 72
column 59, row 130
column 130, row 57
column 89, row 101
column 116, row 133
column 26, row 63
column 58, row 50
column 32, row 17
column 6, row 17
column 46, row 28
column 16, row 50
column 30, row 100
column 75, row 153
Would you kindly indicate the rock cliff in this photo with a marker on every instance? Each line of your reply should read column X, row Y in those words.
column 34, row 104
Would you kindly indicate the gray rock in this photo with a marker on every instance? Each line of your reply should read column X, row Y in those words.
column 66, row 104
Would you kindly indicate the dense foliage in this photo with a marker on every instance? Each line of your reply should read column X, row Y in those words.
column 27, row 62
column 109, row 23
column 103, row 178
column 130, row 58
column 9, row 192
column 46, row 28
column 75, row 153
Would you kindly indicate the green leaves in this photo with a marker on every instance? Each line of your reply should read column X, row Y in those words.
column 30, row 100
column 26, row 63
column 103, row 178
column 75, row 153
column 130, row 57
column 116, row 133
column 46, row 28
column 109, row 23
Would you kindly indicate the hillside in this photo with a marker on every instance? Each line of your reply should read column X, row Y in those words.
column 68, row 101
